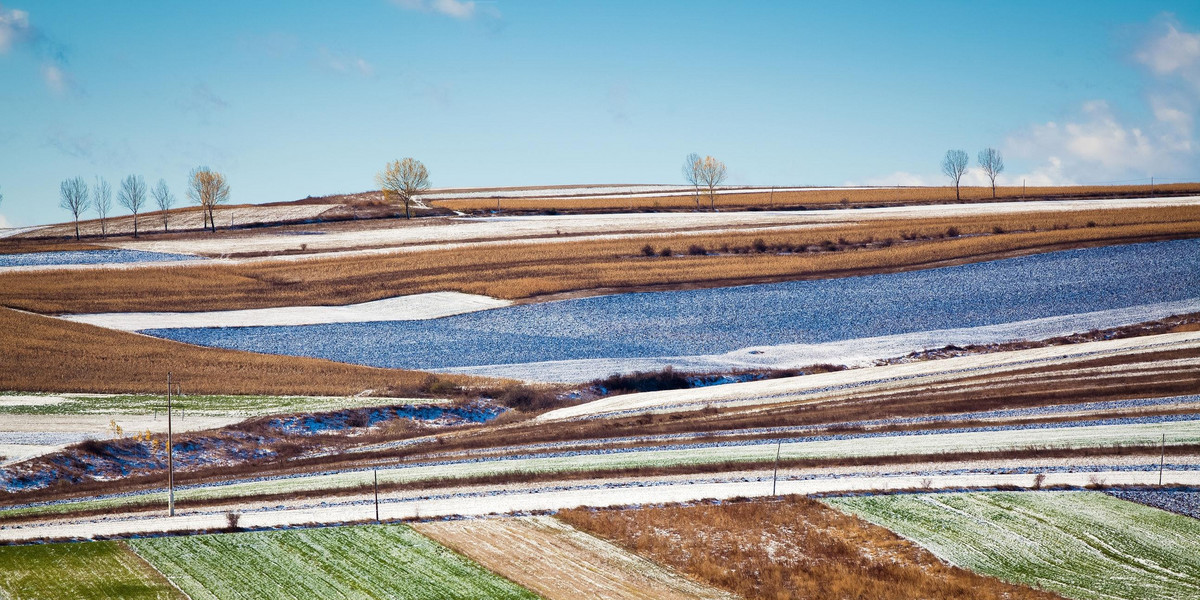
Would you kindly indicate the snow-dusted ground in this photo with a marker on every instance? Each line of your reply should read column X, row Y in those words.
column 598, row 493
column 193, row 219
column 25, row 436
column 813, row 387
column 854, row 353
column 552, row 228
column 401, row 308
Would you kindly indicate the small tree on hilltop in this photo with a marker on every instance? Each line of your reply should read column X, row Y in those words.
column 73, row 196
column 403, row 179
column 133, row 196
column 954, row 165
column 208, row 189
column 102, row 200
column 691, row 173
column 992, row 163
column 164, row 199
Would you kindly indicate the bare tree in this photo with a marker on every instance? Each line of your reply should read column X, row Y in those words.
column 208, row 189
column 954, row 165
column 73, row 196
column 164, row 199
column 691, row 173
column 102, row 201
column 404, row 179
column 132, row 195
column 992, row 163
column 711, row 173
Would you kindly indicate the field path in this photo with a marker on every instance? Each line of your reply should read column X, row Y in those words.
column 562, row 563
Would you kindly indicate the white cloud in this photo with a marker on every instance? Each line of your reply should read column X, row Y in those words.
column 1096, row 144
column 14, row 27
column 56, row 79
column 898, row 178
column 343, row 63
column 458, row 9
column 1173, row 53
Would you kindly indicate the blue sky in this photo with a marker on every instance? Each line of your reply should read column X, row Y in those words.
column 312, row 98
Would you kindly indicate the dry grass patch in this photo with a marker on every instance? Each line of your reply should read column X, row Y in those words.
column 536, row 269
column 793, row 548
column 43, row 354
column 560, row 562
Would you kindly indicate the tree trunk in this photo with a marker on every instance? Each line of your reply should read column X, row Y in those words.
column 407, row 214
column 77, row 229
column 993, row 189
column 134, row 224
column 957, row 196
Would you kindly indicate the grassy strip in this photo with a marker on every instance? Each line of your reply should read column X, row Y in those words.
column 210, row 405
column 47, row 355
column 1081, row 544
column 79, row 571
column 192, row 500
column 813, row 199
column 390, row 561
column 792, row 548
column 536, row 269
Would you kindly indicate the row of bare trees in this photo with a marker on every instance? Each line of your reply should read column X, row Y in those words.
column 206, row 187
column 955, row 164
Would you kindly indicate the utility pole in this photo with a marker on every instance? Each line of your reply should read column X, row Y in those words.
column 772, row 196
column 170, row 455
column 376, row 495
column 1162, row 459
column 775, row 474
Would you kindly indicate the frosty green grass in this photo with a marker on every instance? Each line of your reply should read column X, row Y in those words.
column 79, row 571
column 1084, row 545
column 373, row 561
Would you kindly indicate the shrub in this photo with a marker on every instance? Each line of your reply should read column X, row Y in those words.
column 952, row 232
column 997, row 230
column 696, row 250
column 647, row 250
column 665, row 252
column 1091, row 223
column 648, row 381
column 232, row 519
column 759, row 245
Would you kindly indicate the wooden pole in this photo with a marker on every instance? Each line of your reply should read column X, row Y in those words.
column 170, row 455
column 376, row 495
column 1162, row 459
column 775, row 474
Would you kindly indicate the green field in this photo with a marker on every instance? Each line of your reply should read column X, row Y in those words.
column 84, row 570
column 1084, row 545
column 382, row 561
column 136, row 404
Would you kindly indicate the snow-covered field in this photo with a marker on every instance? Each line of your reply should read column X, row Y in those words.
column 856, row 381
column 854, row 352
column 556, row 227
column 49, row 260
column 25, row 436
column 1083, row 545
column 401, row 308
column 737, row 327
